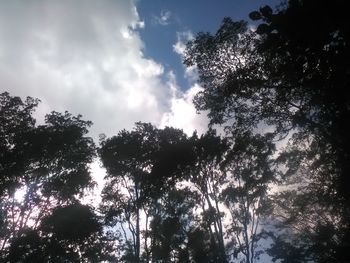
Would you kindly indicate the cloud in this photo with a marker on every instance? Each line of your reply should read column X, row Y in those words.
column 182, row 113
column 182, row 38
column 82, row 56
column 87, row 57
column 163, row 19
column 179, row 47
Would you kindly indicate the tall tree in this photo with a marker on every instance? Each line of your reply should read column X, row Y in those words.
column 293, row 81
column 231, row 176
column 208, row 178
column 172, row 223
column 142, row 165
column 16, row 119
column 250, row 168
column 165, row 190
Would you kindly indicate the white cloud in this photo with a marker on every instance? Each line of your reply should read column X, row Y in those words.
column 182, row 112
column 163, row 19
column 84, row 57
column 182, row 38
column 179, row 47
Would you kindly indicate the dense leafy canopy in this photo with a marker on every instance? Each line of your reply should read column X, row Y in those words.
column 289, row 76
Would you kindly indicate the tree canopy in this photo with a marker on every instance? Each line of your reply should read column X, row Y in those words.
column 290, row 76
column 44, row 172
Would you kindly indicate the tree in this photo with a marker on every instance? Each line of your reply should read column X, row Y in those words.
column 142, row 165
column 304, row 231
column 309, row 227
column 250, row 166
column 16, row 119
column 276, row 76
column 231, row 176
column 208, row 178
column 171, row 226
column 46, row 164
column 127, row 158
column 165, row 190
column 293, row 82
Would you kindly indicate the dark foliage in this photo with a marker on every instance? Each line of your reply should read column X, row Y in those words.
column 69, row 234
column 49, row 165
column 291, row 76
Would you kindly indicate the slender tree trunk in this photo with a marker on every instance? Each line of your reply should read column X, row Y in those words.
column 146, row 239
column 219, row 222
column 217, row 226
column 138, row 244
column 246, row 234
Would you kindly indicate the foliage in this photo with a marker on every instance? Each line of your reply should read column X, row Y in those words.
column 207, row 178
column 158, row 216
column 43, row 167
column 293, row 83
column 250, row 164
column 170, row 226
column 16, row 119
column 69, row 234
column 142, row 165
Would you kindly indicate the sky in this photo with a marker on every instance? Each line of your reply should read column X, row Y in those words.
column 115, row 62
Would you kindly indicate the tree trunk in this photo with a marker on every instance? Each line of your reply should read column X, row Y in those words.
column 138, row 243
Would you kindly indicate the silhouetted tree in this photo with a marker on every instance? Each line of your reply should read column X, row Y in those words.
column 16, row 119
column 42, row 167
column 231, row 176
column 201, row 247
column 250, row 168
column 208, row 178
column 142, row 165
column 172, row 223
column 304, row 231
column 309, row 227
column 291, row 75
